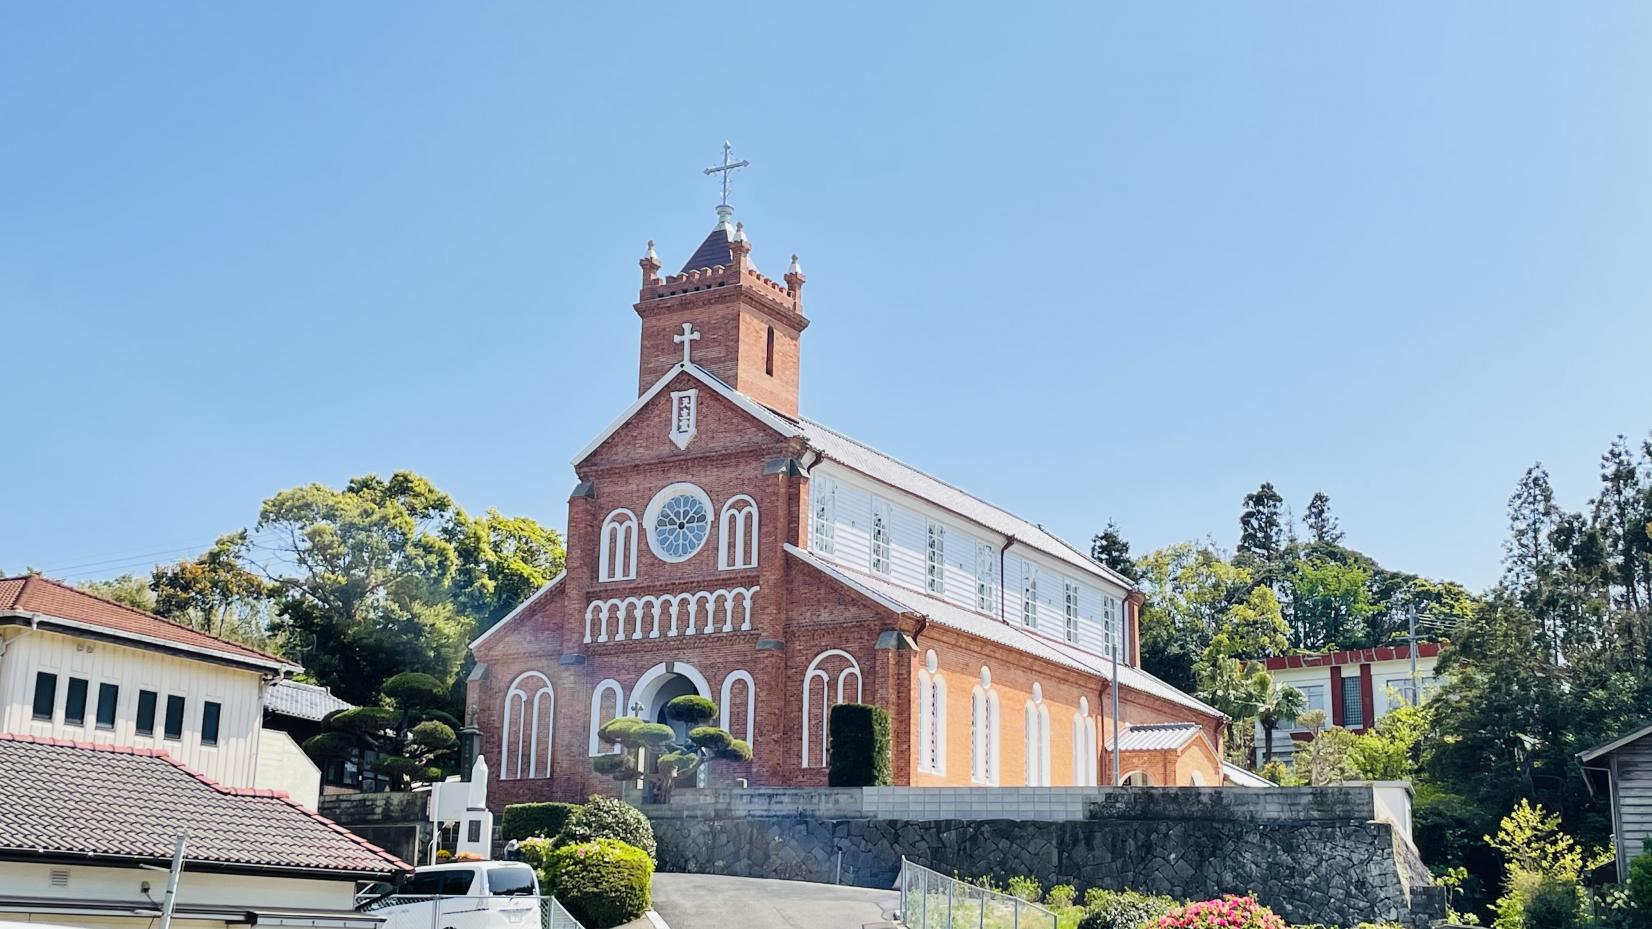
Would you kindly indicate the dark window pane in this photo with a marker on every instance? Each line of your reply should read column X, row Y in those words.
column 146, row 712
column 74, row 706
column 1353, row 712
column 511, row 881
column 108, row 701
column 174, row 717
column 45, row 694
column 209, row 722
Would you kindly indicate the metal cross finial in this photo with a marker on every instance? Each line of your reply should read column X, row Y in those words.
column 726, row 168
column 688, row 338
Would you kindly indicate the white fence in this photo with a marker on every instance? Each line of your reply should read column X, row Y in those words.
column 931, row 900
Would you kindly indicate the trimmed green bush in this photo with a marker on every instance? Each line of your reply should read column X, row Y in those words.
column 1122, row 909
column 691, row 709
column 523, row 820
column 603, row 882
column 654, row 735
column 1640, row 881
column 857, row 753
column 1554, row 904
column 608, row 818
column 710, row 738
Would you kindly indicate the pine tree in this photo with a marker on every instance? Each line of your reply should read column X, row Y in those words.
column 1110, row 548
column 1322, row 526
column 1262, row 526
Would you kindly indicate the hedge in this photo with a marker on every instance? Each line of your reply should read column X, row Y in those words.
column 523, row 820
column 858, row 746
column 603, row 882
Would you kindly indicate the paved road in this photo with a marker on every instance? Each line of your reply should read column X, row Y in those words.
column 709, row 901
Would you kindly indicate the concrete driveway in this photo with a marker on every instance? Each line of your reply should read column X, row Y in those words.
column 710, row 901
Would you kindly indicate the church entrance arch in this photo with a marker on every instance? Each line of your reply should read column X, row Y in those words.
column 660, row 685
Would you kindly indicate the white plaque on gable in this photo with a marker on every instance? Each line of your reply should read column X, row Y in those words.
column 684, row 412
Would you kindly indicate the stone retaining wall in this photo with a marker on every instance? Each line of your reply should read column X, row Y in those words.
column 1314, row 856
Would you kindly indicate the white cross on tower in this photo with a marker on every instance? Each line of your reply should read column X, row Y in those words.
column 688, row 338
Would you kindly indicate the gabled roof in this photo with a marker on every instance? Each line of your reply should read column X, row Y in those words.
column 103, row 801
column 752, row 408
column 1154, row 737
column 869, row 461
column 519, row 608
column 57, row 604
column 1606, row 748
column 899, row 599
column 302, row 701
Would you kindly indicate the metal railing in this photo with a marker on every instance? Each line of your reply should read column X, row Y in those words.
column 408, row 911
column 931, row 900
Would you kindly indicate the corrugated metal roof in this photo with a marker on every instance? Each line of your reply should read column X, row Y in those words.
column 1156, row 737
column 302, row 701
column 991, row 628
column 873, row 463
column 1242, row 778
column 76, row 798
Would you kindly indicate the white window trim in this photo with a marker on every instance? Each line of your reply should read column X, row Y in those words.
column 608, row 686
column 935, row 558
column 738, row 534
column 652, row 513
column 809, row 677
column 741, row 676
column 986, row 577
column 823, row 504
column 1070, row 593
column 520, row 699
column 1029, row 595
column 881, row 550
column 618, row 540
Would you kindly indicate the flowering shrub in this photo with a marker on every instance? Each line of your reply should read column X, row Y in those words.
column 1122, row 909
column 1229, row 912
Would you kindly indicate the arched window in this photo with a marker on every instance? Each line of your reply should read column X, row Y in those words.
column 607, row 703
column 737, row 534
column 1084, row 745
column 1037, row 717
column 741, row 725
column 617, row 557
column 818, row 699
column 931, row 717
column 983, row 706
column 530, row 711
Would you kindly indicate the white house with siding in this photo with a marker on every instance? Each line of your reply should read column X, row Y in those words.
column 79, row 668
column 1623, row 767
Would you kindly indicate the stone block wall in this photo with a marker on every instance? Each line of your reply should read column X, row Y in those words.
column 396, row 821
column 1314, row 856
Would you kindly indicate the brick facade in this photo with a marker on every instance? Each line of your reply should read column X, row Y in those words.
column 807, row 629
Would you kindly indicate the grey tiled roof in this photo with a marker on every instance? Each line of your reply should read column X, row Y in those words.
column 104, row 801
column 712, row 253
column 302, row 701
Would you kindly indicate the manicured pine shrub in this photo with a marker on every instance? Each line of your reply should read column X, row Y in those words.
column 858, row 746
column 608, row 818
column 524, row 820
column 603, row 882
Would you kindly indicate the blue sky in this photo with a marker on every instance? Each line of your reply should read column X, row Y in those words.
column 1097, row 261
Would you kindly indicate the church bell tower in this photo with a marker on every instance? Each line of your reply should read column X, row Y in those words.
column 749, row 325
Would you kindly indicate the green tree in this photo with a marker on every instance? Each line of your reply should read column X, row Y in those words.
column 655, row 752
column 1322, row 526
column 1108, row 547
column 1188, row 589
column 215, row 592
column 502, row 561
column 1263, row 527
column 1390, row 750
column 406, row 726
column 1331, row 605
column 1325, row 759
column 127, row 590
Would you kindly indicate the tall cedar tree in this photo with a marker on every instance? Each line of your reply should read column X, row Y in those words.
column 1322, row 526
column 1109, row 548
column 1262, row 527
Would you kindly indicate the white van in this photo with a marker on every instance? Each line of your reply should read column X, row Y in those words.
column 463, row 895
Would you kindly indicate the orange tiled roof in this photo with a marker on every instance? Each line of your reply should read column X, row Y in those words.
column 36, row 594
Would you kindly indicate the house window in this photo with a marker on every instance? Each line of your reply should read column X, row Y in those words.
column 617, row 560
column 530, row 721
column 1029, row 595
column 1070, row 605
column 882, row 514
column 45, row 695
column 822, row 535
column 931, row 717
column 986, row 578
column 935, row 576
column 1110, row 637
column 1313, row 696
column 210, row 712
column 737, row 534
column 1353, row 712
column 146, row 712
column 174, row 717
column 74, row 704
column 108, row 702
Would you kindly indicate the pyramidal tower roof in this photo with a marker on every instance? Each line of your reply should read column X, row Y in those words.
column 714, row 252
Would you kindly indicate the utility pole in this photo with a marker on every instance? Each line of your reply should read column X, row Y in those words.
column 170, row 901
column 1411, row 623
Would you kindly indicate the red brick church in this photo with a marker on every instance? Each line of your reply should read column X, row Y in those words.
column 721, row 543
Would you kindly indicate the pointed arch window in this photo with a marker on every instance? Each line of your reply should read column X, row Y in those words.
column 617, row 558
column 607, row 703
column 1084, row 745
column 530, row 724
column 737, row 534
